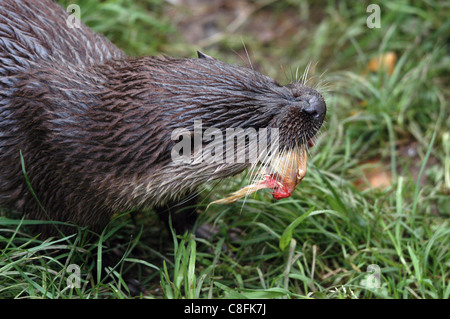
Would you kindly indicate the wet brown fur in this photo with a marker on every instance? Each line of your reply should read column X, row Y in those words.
column 94, row 125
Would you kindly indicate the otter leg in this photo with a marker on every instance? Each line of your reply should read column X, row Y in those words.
column 182, row 214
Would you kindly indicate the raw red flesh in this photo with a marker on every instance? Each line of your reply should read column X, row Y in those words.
column 279, row 189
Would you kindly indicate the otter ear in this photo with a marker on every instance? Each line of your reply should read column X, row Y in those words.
column 201, row 55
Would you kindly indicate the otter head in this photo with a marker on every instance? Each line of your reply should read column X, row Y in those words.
column 242, row 98
column 191, row 121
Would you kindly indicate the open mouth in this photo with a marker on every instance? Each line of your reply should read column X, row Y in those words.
column 283, row 174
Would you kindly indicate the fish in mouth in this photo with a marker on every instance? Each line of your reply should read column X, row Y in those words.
column 298, row 122
column 283, row 173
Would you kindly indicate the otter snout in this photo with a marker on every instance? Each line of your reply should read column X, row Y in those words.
column 316, row 108
column 302, row 115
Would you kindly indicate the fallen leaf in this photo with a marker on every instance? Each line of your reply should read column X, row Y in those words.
column 386, row 61
column 375, row 175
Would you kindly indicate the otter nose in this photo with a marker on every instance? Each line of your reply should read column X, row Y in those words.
column 316, row 108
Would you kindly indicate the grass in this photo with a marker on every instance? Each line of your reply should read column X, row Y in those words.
column 321, row 242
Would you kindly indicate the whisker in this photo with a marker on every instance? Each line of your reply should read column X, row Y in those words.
column 296, row 74
column 305, row 73
column 248, row 56
column 285, row 73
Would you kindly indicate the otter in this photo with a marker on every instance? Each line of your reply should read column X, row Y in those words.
column 86, row 131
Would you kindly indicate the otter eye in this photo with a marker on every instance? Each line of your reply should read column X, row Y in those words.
column 295, row 91
column 290, row 86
